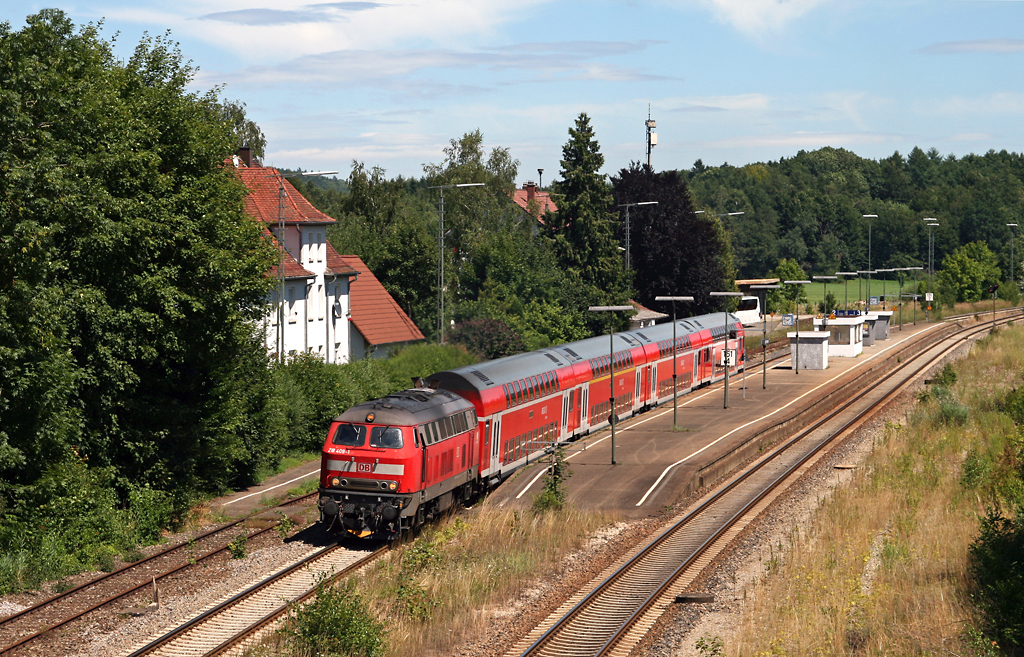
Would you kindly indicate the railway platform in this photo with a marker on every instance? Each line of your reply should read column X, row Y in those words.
column 656, row 466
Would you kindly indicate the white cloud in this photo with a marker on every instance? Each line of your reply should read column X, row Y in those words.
column 1000, row 46
column 804, row 140
column 754, row 17
column 264, row 31
column 397, row 70
column 721, row 103
column 972, row 136
column 992, row 104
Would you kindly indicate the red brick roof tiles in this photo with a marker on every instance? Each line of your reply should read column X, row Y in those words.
column 375, row 314
column 336, row 265
column 264, row 202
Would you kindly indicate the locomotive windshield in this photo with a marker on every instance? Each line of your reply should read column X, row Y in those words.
column 350, row 435
column 387, row 437
column 354, row 435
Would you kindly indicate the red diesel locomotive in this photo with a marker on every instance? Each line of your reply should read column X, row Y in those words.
column 392, row 463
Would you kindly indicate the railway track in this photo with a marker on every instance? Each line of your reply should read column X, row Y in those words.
column 30, row 625
column 226, row 627
column 628, row 598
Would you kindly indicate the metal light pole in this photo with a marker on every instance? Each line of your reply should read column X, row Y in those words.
column 611, row 363
column 825, row 280
column 846, row 280
column 628, row 206
column 796, row 361
column 764, row 332
column 725, row 349
column 281, row 195
column 869, row 217
column 916, row 295
column 1012, row 263
column 931, row 223
column 675, row 357
column 440, row 257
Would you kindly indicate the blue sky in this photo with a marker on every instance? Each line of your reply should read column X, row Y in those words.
column 389, row 83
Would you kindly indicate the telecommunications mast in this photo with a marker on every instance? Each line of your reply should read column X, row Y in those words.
column 652, row 137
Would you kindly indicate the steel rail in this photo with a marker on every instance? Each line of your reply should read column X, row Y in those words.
column 253, row 590
column 42, row 606
column 578, row 609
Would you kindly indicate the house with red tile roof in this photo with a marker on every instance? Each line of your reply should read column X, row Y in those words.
column 533, row 201
column 378, row 323
column 309, row 310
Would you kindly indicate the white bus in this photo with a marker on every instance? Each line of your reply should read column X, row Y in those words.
column 749, row 311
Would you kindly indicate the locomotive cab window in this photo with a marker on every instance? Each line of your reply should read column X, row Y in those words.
column 386, row 437
column 349, row 435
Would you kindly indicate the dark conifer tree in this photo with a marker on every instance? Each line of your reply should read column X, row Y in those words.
column 675, row 251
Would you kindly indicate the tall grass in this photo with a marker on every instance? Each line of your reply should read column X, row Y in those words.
column 439, row 591
column 884, row 567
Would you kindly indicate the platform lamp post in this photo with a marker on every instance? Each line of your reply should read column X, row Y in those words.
column 825, row 280
column 931, row 223
column 796, row 361
column 281, row 195
column 860, row 293
column 725, row 349
column 1012, row 263
column 764, row 332
column 675, row 357
column 916, row 295
column 628, row 206
column 869, row 217
column 611, row 362
column 440, row 256
column 846, row 279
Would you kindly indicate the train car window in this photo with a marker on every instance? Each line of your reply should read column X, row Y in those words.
column 508, row 397
column 386, row 437
column 431, row 432
column 518, row 396
column 349, row 435
column 471, row 418
column 538, row 388
column 449, row 428
column 459, row 421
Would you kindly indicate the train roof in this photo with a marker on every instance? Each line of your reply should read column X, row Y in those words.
column 412, row 406
column 512, row 368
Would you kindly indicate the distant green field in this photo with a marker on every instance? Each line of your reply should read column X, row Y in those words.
column 879, row 286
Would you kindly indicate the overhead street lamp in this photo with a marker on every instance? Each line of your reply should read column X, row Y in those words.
column 764, row 332
column 846, row 297
column 825, row 280
column 628, row 206
column 281, row 195
column 674, row 353
column 915, row 295
column 725, row 348
column 612, row 417
column 440, row 256
column 796, row 361
column 869, row 217
column 1012, row 263
column 931, row 223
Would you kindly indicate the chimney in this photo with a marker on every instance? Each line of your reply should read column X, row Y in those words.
column 531, row 190
column 245, row 154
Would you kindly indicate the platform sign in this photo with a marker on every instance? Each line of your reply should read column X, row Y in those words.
column 847, row 313
column 729, row 356
column 928, row 296
column 765, row 342
column 872, row 301
column 789, row 320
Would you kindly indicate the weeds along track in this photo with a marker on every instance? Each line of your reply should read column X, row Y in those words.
column 627, row 600
column 226, row 627
column 31, row 624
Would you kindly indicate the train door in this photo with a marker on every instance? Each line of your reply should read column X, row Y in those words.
column 707, row 364
column 637, row 399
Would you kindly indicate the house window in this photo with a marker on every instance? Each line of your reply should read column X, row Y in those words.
column 293, row 311
column 309, row 247
column 320, row 300
column 319, row 247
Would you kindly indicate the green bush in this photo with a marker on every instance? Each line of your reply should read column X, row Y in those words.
column 336, row 623
column 997, row 563
column 552, row 496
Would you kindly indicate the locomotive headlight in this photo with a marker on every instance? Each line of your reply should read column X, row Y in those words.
column 335, row 482
column 393, row 486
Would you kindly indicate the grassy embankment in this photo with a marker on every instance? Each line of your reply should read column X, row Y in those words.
column 884, row 567
column 442, row 590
